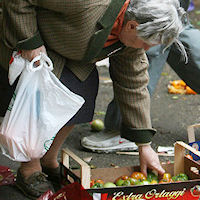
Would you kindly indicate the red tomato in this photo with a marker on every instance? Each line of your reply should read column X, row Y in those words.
column 125, row 177
column 92, row 182
column 99, row 181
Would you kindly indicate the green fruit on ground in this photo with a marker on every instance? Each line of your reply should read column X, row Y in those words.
column 97, row 125
column 109, row 184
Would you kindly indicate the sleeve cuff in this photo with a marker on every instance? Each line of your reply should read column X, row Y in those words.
column 137, row 135
column 143, row 144
column 30, row 43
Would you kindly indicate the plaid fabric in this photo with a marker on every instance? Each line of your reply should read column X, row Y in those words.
column 66, row 29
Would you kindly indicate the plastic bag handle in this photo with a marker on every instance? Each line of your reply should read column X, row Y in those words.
column 45, row 61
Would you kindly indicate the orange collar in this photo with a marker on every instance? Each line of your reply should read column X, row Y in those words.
column 117, row 27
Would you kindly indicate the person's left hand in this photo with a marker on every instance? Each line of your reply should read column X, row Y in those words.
column 149, row 159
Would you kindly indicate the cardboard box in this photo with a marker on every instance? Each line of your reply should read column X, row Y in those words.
column 188, row 190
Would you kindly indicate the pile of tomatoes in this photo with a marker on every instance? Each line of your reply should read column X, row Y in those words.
column 138, row 178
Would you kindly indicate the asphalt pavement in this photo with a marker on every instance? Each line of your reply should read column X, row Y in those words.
column 171, row 115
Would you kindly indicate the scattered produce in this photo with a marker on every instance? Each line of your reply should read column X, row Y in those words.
column 179, row 87
column 97, row 125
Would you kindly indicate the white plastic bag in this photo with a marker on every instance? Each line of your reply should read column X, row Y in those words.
column 40, row 107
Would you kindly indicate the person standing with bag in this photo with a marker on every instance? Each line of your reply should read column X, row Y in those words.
column 76, row 34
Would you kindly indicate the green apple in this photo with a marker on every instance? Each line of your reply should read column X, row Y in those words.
column 109, row 184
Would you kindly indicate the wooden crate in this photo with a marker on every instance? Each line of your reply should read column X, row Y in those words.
column 182, row 164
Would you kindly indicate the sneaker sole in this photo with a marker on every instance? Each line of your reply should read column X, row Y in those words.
column 109, row 149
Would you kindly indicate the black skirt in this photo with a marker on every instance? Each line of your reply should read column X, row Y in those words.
column 88, row 89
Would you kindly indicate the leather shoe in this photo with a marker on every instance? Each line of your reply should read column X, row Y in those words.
column 33, row 186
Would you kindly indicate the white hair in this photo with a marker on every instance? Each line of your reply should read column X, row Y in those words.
column 160, row 21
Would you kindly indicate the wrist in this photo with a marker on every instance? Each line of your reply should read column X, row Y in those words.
column 143, row 146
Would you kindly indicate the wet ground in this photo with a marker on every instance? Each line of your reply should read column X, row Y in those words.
column 170, row 116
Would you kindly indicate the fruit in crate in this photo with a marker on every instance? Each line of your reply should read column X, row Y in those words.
column 121, row 180
column 145, row 182
column 152, row 177
column 138, row 178
column 96, row 183
column 109, row 184
column 138, row 175
column 180, row 177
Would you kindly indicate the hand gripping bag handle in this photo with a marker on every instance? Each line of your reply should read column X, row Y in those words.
column 45, row 61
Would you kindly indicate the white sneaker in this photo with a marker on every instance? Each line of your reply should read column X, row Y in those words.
column 107, row 141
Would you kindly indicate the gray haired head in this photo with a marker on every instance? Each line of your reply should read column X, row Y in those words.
column 160, row 21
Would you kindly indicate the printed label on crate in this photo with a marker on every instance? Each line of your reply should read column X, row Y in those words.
column 192, row 194
column 195, row 145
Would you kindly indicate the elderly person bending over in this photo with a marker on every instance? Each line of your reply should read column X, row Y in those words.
column 76, row 34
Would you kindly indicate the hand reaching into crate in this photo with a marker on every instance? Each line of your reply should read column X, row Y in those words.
column 149, row 159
